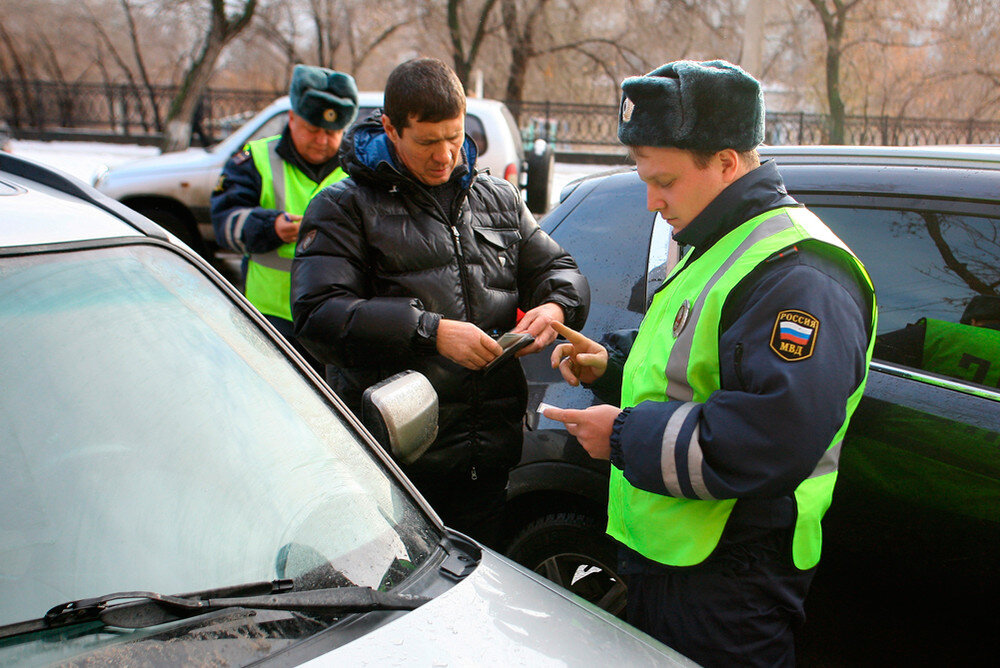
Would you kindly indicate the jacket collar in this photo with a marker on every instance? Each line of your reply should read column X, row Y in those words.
column 368, row 152
column 754, row 193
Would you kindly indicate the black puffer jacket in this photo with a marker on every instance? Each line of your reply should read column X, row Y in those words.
column 379, row 263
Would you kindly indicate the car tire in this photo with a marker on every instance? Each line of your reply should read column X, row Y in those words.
column 573, row 551
column 181, row 227
column 541, row 169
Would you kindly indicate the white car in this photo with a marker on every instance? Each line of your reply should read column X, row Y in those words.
column 175, row 189
column 180, row 488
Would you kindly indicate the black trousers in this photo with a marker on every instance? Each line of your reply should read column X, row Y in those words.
column 740, row 607
column 474, row 507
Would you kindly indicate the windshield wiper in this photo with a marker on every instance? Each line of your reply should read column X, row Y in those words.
column 146, row 608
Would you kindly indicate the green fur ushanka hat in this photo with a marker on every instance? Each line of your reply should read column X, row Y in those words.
column 323, row 97
column 702, row 106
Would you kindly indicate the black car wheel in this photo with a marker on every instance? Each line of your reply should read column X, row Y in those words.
column 573, row 551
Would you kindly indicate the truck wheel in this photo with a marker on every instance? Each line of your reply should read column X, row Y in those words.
column 573, row 551
column 541, row 168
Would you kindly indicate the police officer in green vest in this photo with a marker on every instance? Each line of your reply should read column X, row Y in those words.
column 967, row 350
column 726, row 411
column 264, row 190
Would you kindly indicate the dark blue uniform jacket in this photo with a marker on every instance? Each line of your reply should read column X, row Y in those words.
column 765, row 430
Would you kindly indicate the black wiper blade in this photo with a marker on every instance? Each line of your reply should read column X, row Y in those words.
column 90, row 609
column 335, row 600
column 146, row 608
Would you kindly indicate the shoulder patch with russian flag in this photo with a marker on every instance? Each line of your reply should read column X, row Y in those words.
column 794, row 335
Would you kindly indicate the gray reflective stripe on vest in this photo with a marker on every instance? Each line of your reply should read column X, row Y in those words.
column 676, row 371
column 829, row 462
column 234, row 228
column 277, row 175
column 272, row 260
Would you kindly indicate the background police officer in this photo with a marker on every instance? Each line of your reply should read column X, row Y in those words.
column 738, row 386
column 264, row 190
column 968, row 350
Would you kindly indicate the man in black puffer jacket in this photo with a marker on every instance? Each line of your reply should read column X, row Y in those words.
column 418, row 262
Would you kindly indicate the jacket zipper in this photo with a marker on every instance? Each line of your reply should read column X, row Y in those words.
column 463, row 279
column 457, row 238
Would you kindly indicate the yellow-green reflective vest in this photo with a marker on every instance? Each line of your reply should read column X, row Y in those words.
column 285, row 188
column 681, row 531
column 962, row 351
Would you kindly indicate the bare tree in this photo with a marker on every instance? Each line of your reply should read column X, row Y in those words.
column 11, row 60
column 573, row 28
column 369, row 28
column 465, row 48
column 222, row 28
column 141, row 64
column 833, row 15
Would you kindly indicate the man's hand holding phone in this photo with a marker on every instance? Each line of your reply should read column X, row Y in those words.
column 511, row 342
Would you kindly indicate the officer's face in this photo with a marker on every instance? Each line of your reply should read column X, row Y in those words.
column 676, row 185
column 313, row 143
column 430, row 151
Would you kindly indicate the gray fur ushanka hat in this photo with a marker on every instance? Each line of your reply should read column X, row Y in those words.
column 702, row 106
column 323, row 97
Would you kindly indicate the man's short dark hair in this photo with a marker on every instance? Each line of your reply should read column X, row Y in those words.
column 425, row 90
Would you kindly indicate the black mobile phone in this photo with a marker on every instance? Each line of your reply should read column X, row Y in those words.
column 510, row 342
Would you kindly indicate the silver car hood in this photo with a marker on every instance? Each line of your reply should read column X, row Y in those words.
column 504, row 615
column 168, row 162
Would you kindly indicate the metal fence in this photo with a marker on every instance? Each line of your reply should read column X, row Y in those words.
column 129, row 111
column 594, row 127
column 126, row 111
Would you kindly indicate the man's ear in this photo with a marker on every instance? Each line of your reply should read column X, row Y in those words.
column 389, row 130
column 729, row 161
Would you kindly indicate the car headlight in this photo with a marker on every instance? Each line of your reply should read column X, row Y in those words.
column 100, row 175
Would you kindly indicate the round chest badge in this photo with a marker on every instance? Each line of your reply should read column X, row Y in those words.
column 330, row 115
column 681, row 318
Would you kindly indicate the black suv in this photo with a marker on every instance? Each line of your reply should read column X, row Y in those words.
column 915, row 521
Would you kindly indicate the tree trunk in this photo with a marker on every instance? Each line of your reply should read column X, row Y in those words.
column 836, row 102
column 465, row 59
column 177, row 130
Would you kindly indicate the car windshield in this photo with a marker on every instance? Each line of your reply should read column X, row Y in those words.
column 154, row 438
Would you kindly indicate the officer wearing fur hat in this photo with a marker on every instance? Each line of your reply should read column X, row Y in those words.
column 264, row 190
column 728, row 410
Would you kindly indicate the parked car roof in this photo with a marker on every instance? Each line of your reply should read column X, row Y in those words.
column 848, row 169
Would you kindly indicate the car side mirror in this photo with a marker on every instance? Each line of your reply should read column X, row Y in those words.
column 401, row 412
